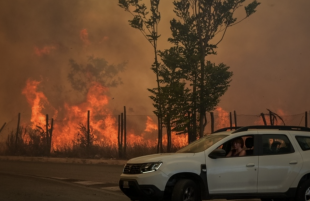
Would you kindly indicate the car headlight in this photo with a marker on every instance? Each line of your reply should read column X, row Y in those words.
column 150, row 167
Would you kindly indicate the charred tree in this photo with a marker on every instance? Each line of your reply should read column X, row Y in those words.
column 264, row 119
column 274, row 118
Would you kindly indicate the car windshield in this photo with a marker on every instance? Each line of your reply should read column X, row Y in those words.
column 201, row 144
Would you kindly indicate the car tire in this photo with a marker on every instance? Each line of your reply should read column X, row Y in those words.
column 185, row 190
column 303, row 193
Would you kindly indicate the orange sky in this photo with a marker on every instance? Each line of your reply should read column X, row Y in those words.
column 268, row 54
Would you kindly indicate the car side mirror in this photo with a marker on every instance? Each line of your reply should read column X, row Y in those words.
column 217, row 153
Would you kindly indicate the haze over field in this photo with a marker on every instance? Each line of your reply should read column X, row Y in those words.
column 268, row 54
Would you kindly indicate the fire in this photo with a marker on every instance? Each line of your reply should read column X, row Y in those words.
column 36, row 100
column 150, row 125
column 103, row 124
column 44, row 51
column 84, row 37
column 222, row 119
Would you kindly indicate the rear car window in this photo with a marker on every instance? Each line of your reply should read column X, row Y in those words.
column 304, row 142
column 276, row 144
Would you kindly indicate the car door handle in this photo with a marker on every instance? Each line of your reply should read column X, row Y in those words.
column 250, row 165
column 293, row 162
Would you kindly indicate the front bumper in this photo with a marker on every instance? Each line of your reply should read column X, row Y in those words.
column 134, row 191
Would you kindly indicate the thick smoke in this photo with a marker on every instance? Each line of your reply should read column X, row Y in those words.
column 44, row 39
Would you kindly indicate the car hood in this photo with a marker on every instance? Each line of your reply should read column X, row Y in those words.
column 159, row 157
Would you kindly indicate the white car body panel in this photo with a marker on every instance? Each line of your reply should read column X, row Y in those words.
column 277, row 173
column 231, row 175
column 305, row 155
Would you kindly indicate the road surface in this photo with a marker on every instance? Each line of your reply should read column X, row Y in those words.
column 22, row 180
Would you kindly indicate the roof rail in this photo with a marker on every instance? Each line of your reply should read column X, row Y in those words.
column 294, row 128
column 227, row 129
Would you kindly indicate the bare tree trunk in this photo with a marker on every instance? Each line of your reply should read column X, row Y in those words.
column 17, row 132
column 168, row 134
column 195, row 106
column 189, row 135
column 212, row 122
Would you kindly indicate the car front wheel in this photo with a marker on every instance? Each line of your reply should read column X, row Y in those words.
column 185, row 190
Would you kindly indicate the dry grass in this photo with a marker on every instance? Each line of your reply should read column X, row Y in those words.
column 35, row 145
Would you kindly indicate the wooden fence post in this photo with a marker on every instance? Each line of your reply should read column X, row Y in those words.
column 51, row 135
column 235, row 117
column 212, row 122
column 119, row 137
column 17, row 132
column 230, row 120
column 47, row 136
column 125, row 131
column 88, row 131
column 122, row 133
column 306, row 119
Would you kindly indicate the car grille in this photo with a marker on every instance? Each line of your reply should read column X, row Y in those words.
column 132, row 169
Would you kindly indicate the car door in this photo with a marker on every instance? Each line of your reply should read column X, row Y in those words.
column 230, row 175
column 279, row 163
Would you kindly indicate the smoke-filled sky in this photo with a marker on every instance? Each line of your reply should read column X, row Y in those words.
column 48, row 40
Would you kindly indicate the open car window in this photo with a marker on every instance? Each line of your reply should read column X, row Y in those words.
column 201, row 144
column 247, row 146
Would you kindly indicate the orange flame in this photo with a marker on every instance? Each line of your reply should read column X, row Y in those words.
column 37, row 100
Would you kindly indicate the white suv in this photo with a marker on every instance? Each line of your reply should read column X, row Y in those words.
column 275, row 166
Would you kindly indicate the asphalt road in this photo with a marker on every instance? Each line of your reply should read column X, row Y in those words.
column 23, row 181
column 23, row 188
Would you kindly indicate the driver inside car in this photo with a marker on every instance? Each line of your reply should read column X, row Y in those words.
column 237, row 148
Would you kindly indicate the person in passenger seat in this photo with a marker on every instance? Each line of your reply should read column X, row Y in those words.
column 237, row 148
